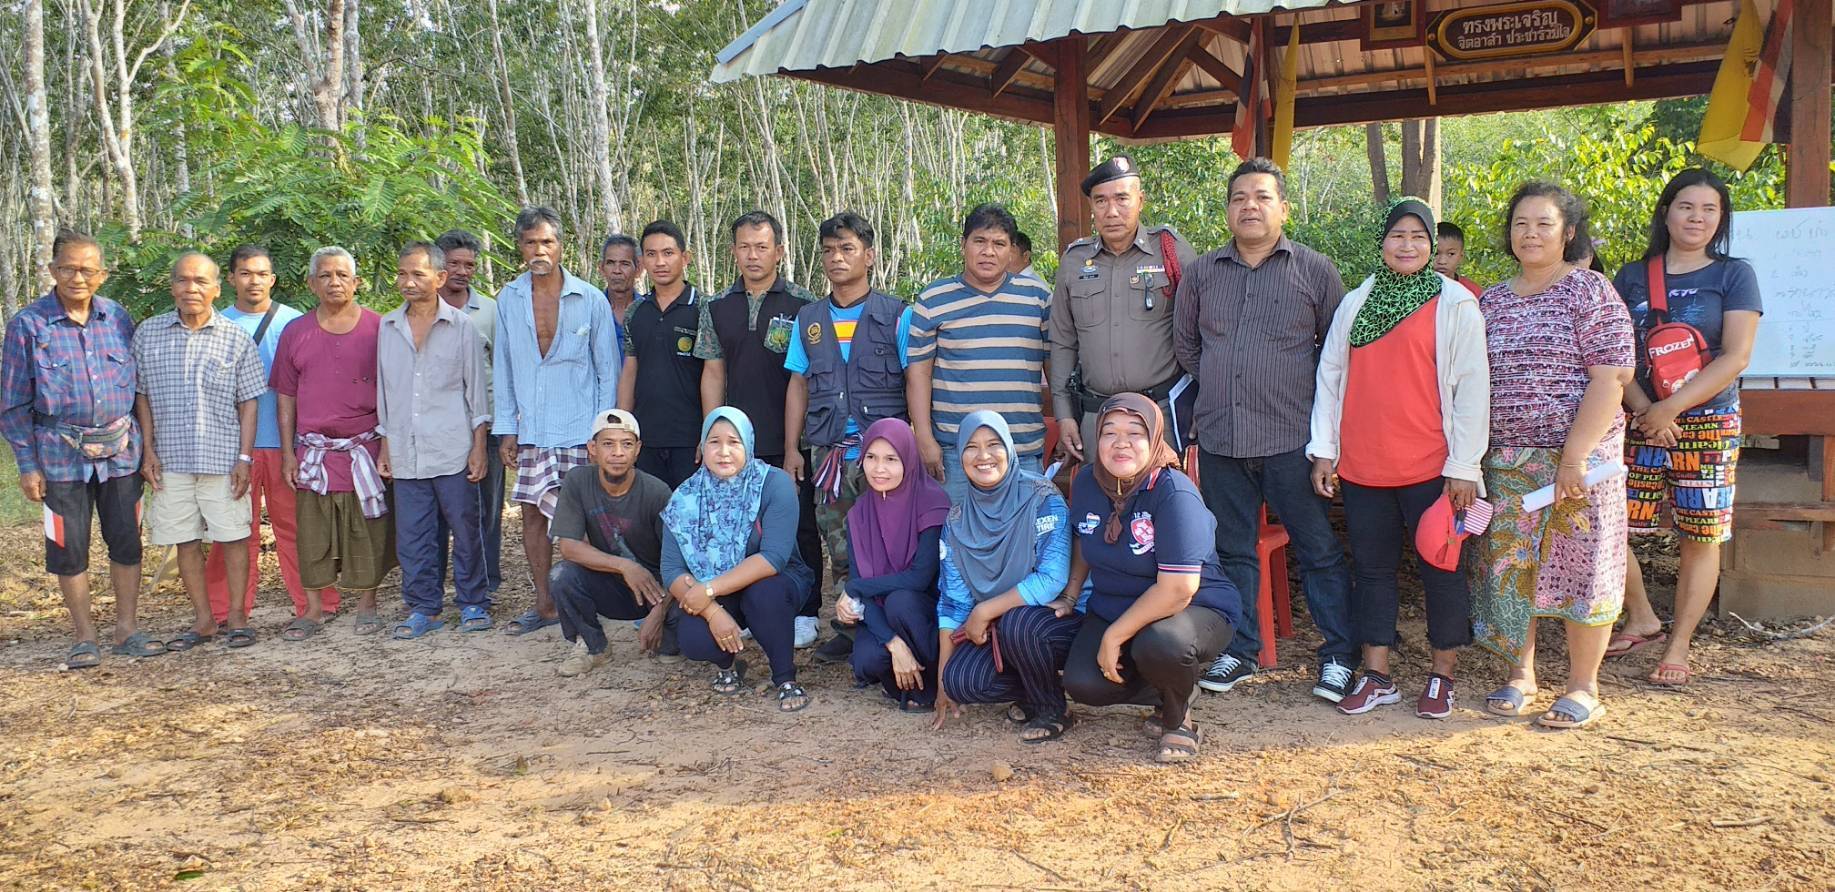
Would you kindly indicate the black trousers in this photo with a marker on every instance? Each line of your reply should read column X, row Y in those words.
column 808, row 535
column 1160, row 665
column 913, row 618
column 670, row 464
column 582, row 596
column 1377, row 519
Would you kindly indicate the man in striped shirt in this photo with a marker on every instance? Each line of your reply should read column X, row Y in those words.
column 1248, row 320
column 979, row 340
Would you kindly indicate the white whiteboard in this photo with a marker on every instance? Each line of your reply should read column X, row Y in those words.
column 1793, row 253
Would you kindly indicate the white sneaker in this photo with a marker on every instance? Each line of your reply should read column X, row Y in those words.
column 579, row 662
column 806, row 631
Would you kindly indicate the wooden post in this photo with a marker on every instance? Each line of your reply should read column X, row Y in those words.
column 1071, row 127
column 1807, row 183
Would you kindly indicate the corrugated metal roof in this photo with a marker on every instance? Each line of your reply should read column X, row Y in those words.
column 802, row 35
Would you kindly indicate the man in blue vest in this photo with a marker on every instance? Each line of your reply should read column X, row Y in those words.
column 847, row 365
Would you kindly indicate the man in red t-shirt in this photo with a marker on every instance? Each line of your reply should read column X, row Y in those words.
column 325, row 375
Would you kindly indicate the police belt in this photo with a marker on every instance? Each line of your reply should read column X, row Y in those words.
column 1159, row 393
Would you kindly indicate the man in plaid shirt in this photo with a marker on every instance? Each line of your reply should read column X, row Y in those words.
column 199, row 377
column 66, row 409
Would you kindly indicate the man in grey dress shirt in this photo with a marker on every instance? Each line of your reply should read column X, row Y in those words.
column 1248, row 321
column 430, row 388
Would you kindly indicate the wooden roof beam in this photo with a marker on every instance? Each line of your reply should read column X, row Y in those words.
column 934, row 63
column 1168, row 76
column 1229, row 78
column 1016, row 61
column 1170, row 41
column 1101, row 49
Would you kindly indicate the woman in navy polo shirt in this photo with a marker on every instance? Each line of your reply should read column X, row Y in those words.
column 1160, row 608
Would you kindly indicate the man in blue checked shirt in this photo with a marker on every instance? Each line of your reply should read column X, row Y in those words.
column 67, row 411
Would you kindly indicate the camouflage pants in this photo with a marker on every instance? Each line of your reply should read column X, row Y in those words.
column 831, row 516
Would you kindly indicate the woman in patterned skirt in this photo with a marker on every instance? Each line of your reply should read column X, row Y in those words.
column 1560, row 344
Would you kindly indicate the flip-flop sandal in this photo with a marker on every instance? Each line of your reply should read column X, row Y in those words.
column 243, row 637
column 530, row 621
column 367, row 623
column 1677, row 669
column 83, row 655
column 1054, row 727
column 140, row 645
column 1180, row 744
column 187, row 640
column 1151, row 726
column 1624, row 644
column 475, row 619
column 729, row 682
column 1517, row 702
column 301, row 629
column 789, row 691
column 1569, row 714
column 416, row 625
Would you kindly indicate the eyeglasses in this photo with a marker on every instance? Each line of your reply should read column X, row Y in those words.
column 78, row 272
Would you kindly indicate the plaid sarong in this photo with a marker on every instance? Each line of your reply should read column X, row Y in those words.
column 539, row 471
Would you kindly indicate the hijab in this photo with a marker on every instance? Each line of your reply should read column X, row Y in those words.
column 712, row 519
column 1393, row 296
column 883, row 528
column 991, row 533
column 1121, row 490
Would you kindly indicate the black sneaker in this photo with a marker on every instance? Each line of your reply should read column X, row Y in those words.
column 1334, row 681
column 1225, row 672
column 838, row 649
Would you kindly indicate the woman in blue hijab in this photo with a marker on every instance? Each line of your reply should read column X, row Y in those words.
column 1004, row 632
column 731, row 560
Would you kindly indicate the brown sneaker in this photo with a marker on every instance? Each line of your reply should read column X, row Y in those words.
column 1370, row 692
column 1436, row 699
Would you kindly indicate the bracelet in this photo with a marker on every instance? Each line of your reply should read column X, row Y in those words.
column 245, row 459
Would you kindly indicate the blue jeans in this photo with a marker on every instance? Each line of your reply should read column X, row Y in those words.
column 767, row 607
column 490, row 520
column 422, row 508
column 1235, row 489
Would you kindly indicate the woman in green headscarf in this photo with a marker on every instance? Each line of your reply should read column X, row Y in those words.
column 1401, row 418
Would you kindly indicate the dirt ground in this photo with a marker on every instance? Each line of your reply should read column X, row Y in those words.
column 462, row 761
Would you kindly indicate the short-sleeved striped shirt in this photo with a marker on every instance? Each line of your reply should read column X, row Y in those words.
column 989, row 350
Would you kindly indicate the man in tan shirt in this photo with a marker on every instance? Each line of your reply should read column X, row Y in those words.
column 1111, row 313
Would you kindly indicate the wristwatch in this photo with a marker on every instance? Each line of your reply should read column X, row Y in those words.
column 245, row 459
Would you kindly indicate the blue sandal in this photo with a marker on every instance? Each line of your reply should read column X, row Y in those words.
column 1569, row 713
column 1515, row 701
column 140, row 645
column 416, row 625
column 475, row 619
column 530, row 621
column 83, row 655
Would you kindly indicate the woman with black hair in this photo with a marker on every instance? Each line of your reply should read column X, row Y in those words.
column 1560, row 348
column 1683, row 445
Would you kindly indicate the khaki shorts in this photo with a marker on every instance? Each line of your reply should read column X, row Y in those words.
column 193, row 507
column 340, row 547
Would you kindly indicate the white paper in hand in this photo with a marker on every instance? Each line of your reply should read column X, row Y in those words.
column 1544, row 497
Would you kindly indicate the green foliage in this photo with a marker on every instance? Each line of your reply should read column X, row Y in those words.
column 1620, row 174
column 294, row 190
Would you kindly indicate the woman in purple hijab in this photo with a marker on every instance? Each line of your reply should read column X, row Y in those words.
column 893, row 534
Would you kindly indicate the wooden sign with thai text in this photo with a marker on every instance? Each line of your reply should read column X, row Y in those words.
column 1506, row 30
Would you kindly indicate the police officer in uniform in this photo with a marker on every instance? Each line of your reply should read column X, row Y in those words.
column 1111, row 313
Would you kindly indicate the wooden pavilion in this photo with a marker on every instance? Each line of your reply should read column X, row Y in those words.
column 1167, row 69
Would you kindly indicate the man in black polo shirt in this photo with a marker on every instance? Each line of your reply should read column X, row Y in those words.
column 743, row 337
column 662, row 377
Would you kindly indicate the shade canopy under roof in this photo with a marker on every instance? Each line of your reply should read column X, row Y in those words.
column 1156, row 69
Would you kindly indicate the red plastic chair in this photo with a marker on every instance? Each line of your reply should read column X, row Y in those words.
column 1274, row 600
